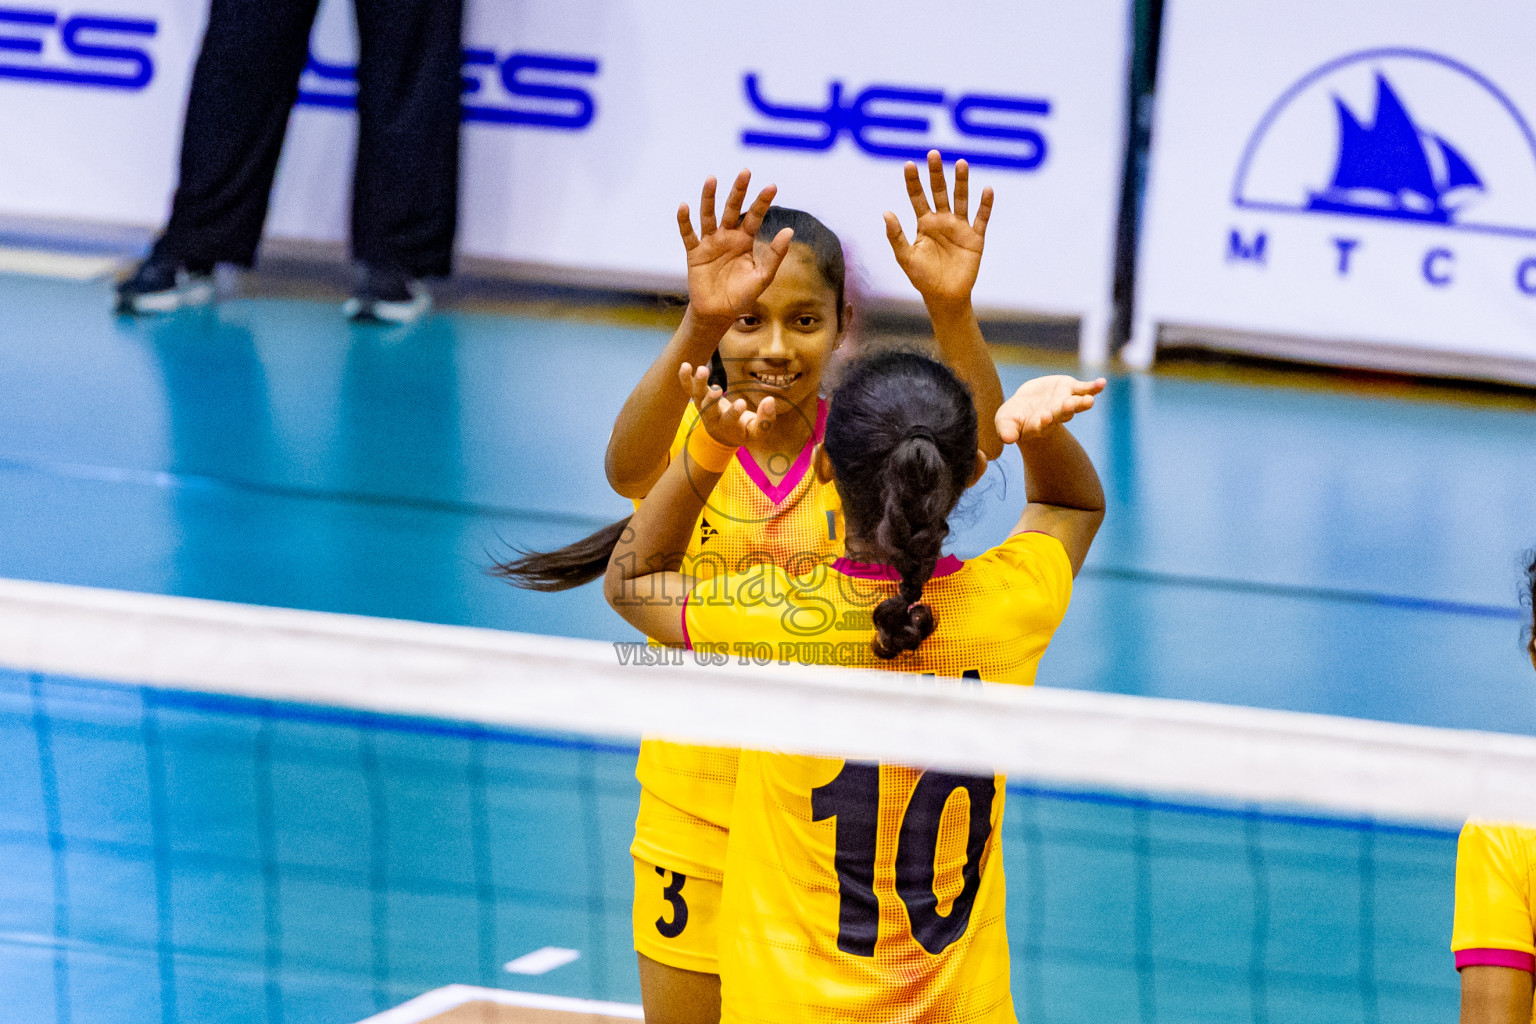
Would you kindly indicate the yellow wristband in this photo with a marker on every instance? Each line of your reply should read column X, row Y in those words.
column 707, row 453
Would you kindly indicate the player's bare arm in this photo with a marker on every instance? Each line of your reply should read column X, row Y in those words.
column 1495, row 995
column 942, row 261
column 1065, row 497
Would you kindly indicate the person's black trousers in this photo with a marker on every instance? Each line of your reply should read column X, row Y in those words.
column 405, row 186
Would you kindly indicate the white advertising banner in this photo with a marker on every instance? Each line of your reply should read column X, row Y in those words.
column 1345, row 182
column 588, row 121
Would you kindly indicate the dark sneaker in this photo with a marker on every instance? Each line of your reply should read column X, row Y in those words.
column 163, row 284
column 387, row 296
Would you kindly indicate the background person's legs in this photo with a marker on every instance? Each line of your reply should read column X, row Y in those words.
column 405, row 189
column 243, row 88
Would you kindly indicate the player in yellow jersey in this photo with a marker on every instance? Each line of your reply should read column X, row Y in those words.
column 1494, row 936
column 768, row 314
column 862, row 892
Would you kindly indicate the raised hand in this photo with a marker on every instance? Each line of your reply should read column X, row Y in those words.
column 725, row 274
column 1044, row 403
column 942, row 260
column 732, row 423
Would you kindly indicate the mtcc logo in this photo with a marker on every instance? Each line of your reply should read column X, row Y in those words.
column 98, row 51
column 897, row 122
column 1402, row 136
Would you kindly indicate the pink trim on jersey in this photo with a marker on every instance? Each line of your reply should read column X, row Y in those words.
column 1520, row 961
column 777, row 492
column 687, row 643
column 875, row 571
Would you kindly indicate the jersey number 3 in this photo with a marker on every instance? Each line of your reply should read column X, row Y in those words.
column 853, row 798
column 673, row 894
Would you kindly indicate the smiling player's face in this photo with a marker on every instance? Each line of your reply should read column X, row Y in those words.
column 781, row 347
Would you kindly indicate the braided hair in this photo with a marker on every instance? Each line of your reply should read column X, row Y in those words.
column 901, row 435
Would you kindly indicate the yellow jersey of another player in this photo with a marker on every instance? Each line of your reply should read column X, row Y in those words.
column 1495, row 896
column 685, row 802
column 860, row 892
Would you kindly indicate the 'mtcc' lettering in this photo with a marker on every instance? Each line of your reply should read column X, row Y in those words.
column 1346, row 246
column 1437, row 268
column 1433, row 261
column 881, row 112
column 1525, row 276
column 1238, row 249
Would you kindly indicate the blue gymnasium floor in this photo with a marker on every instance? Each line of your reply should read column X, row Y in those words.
column 175, row 858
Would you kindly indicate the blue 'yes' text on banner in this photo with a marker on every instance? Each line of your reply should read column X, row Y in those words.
column 893, row 122
column 100, row 51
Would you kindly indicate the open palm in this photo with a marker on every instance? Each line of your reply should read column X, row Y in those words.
column 726, row 273
column 945, row 254
column 731, row 422
column 1043, row 403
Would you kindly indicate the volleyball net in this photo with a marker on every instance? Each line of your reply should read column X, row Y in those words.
column 341, row 813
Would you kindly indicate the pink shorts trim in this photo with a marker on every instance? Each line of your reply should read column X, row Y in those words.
column 1519, row 960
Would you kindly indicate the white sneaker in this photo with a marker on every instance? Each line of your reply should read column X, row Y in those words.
column 163, row 285
column 384, row 296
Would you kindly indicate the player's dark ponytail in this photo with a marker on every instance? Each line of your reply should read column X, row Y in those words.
column 567, row 567
column 901, row 434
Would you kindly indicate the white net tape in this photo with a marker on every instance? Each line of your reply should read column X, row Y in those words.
column 1087, row 740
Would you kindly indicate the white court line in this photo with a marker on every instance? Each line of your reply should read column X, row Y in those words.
column 71, row 266
column 542, row 961
column 441, row 1000
column 1082, row 739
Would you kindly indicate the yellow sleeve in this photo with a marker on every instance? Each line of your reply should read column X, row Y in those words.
column 684, row 428
column 679, row 439
column 1043, row 558
column 1493, row 889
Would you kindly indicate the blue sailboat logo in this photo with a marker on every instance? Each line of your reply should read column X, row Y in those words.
column 1468, row 165
column 1394, row 168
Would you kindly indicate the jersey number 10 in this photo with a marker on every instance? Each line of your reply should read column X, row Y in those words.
column 853, row 798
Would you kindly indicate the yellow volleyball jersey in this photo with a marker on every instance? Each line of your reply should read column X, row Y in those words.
column 859, row 892
column 1495, row 919
column 685, row 800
